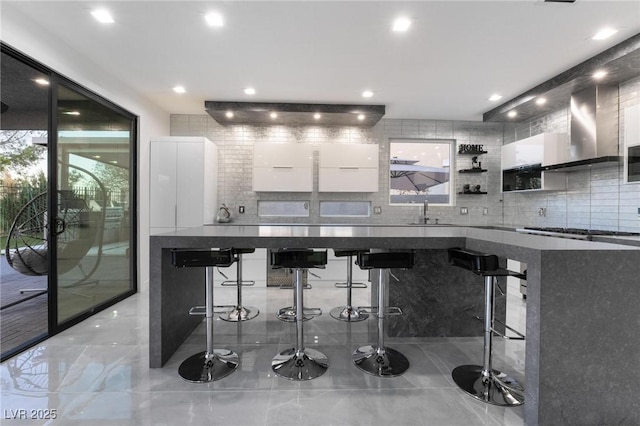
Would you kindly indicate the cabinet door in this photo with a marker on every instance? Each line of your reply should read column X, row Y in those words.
column 190, row 184
column 282, row 155
column 349, row 155
column 162, row 185
column 283, row 179
column 346, row 179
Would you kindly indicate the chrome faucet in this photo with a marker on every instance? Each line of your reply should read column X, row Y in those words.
column 425, row 209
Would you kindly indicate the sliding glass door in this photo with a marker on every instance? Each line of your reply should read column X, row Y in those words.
column 67, row 202
column 93, row 200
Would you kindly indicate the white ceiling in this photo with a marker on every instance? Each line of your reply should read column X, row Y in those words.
column 453, row 57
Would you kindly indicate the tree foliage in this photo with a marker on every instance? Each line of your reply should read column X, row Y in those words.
column 18, row 155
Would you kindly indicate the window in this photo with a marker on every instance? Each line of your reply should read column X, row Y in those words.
column 420, row 170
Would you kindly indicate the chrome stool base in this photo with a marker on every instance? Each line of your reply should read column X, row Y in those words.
column 300, row 365
column 381, row 362
column 288, row 314
column 204, row 368
column 348, row 313
column 496, row 388
column 240, row 313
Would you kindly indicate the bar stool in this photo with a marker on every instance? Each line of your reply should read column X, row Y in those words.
column 483, row 382
column 289, row 313
column 349, row 312
column 239, row 312
column 299, row 363
column 212, row 364
column 379, row 360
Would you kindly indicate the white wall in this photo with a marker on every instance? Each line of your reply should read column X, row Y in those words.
column 18, row 31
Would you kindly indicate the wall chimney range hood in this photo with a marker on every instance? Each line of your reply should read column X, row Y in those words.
column 594, row 128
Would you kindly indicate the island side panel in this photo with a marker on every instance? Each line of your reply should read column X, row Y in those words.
column 172, row 292
column 438, row 299
column 590, row 338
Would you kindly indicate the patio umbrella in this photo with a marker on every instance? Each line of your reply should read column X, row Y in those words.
column 406, row 175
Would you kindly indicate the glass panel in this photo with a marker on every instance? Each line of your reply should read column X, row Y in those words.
column 23, row 204
column 345, row 208
column 419, row 171
column 94, row 187
column 283, row 208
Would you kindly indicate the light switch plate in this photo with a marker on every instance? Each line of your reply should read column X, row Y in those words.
column 377, row 210
column 464, row 210
column 485, row 211
column 241, row 209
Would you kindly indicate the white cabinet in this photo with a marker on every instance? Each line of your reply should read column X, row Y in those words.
column 182, row 183
column 632, row 144
column 348, row 168
column 545, row 149
column 523, row 160
column 282, row 167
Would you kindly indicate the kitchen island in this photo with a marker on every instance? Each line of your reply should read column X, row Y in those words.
column 582, row 316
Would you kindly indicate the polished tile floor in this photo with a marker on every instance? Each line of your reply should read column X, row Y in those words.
column 97, row 373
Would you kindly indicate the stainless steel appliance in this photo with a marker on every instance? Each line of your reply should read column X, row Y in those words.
column 574, row 233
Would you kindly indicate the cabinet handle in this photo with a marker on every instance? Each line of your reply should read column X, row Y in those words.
column 283, row 167
column 348, row 168
column 175, row 215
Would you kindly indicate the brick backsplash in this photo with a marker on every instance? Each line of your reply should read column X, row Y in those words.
column 595, row 198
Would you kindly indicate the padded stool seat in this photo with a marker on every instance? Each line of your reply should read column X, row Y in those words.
column 349, row 312
column 483, row 382
column 212, row 364
column 379, row 360
column 299, row 363
column 239, row 312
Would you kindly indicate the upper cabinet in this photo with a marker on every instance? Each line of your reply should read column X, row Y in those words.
column 543, row 150
column 523, row 162
column 348, row 168
column 282, row 167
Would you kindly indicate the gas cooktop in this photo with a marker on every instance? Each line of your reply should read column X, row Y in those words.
column 576, row 233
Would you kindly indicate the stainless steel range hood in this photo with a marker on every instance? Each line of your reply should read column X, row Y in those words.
column 594, row 128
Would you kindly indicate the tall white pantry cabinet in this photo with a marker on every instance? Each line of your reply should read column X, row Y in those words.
column 182, row 183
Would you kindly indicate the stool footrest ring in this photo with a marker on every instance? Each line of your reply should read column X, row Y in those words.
column 223, row 309
column 290, row 287
column 353, row 285
column 519, row 336
column 389, row 310
column 198, row 310
column 234, row 283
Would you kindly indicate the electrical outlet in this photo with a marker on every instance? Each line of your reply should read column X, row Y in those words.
column 485, row 211
column 377, row 210
column 464, row 210
column 241, row 209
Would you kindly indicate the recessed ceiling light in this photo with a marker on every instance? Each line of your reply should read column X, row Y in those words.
column 42, row 81
column 96, row 156
column 214, row 19
column 367, row 94
column 604, row 33
column 401, row 24
column 114, row 161
column 541, row 101
column 495, row 97
column 599, row 74
column 361, row 117
column 273, row 115
column 249, row 91
column 229, row 114
column 317, row 116
column 512, row 114
column 71, row 113
column 179, row 89
column 103, row 16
